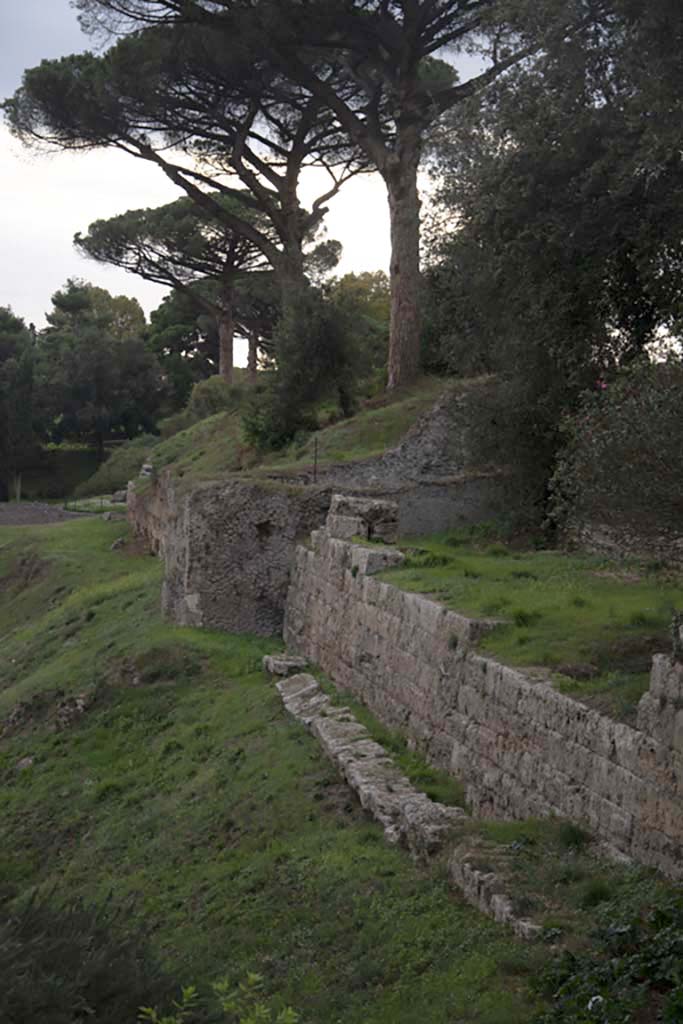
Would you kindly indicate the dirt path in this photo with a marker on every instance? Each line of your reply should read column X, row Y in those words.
column 33, row 513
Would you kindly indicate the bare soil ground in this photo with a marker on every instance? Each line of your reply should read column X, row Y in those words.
column 33, row 513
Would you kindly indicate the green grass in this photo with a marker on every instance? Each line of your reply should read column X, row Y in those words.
column 123, row 465
column 214, row 447
column 592, row 623
column 186, row 789
column 208, row 450
column 369, row 432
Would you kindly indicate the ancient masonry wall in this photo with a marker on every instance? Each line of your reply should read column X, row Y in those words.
column 521, row 748
column 227, row 548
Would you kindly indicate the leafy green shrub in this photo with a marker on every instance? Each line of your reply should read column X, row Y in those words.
column 211, row 396
column 64, row 965
column 524, row 618
column 595, row 891
column 623, row 460
column 634, row 964
column 572, row 837
column 316, row 358
column 242, row 1005
column 172, row 425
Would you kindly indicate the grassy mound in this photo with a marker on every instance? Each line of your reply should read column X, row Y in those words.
column 157, row 764
column 214, row 446
column 593, row 623
column 374, row 428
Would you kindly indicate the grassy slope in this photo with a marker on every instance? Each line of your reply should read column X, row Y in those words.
column 214, row 447
column 373, row 429
column 122, row 465
column 185, row 787
column 579, row 613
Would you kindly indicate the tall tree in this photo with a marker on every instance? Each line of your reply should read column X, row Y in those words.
column 205, row 106
column 185, row 345
column 563, row 192
column 181, row 245
column 388, row 49
column 557, row 255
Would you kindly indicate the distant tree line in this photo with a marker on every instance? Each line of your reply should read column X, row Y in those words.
column 100, row 372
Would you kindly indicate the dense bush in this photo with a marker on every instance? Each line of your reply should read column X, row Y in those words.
column 633, row 965
column 623, row 461
column 207, row 398
column 245, row 1004
column 64, row 965
column 211, row 396
column 316, row 358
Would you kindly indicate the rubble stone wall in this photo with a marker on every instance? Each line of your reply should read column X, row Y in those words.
column 227, row 548
column 521, row 748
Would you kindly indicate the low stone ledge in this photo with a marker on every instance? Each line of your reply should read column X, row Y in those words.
column 408, row 817
column 483, row 890
column 351, row 516
column 283, row 664
column 368, row 561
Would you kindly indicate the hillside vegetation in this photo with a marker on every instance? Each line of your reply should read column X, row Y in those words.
column 184, row 788
column 151, row 773
column 214, row 445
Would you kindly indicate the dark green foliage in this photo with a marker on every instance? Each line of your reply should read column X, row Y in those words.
column 94, row 376
column 365, row 299
column 57, row 471
column 634, row 964
column 623, row 460
column 18, row 441
column 315, row 358
column 72, row 963
column 123, row 464
column 563, row 192
column 185, row 344
column 213, row 395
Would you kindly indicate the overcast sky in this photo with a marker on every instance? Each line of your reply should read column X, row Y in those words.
column 45, row 200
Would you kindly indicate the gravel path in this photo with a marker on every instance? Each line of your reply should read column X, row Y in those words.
column 33, row 513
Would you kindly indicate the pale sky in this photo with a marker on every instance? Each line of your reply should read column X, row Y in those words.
column 45, row 200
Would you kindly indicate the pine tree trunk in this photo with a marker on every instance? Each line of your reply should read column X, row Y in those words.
column 404, row 212
column 226, row 340
column 252, row 364
column 291, row 277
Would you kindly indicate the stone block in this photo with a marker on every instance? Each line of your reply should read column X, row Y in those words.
column 368, row 561
column 346, row 527
column 284, row 664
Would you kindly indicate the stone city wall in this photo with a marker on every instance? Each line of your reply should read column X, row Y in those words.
column 521, row 748
column 227, row 548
